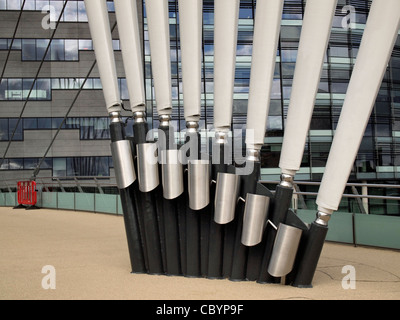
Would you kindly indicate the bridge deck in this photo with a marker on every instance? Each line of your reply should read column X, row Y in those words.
column 90, row 256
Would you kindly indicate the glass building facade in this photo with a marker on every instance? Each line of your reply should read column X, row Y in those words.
column 70, row 54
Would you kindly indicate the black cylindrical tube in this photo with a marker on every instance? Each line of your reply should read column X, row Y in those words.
column 132, row 229
column 171, row 232
column 264, row 276
column 192, row 221
column 148, row 215
column 140, row 132
column 240, row 251
column 171, row 212
column 117, row 131
column 205, row 221
column 308, row 255
column 281, row 205
column 282, row 202
column 216, row 232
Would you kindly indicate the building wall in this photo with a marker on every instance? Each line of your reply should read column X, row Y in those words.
column 85, row 132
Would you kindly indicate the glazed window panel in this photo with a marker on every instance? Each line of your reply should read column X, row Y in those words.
column 82, row 17
column 3, row 129
column 57, row 50
column 43, row 89
column 3, row 89
column 14, row 91
column 13, row 4
column 71, row 11
column 28, row 49
column 30, row 123
column 41, row 47
column 41, row 3
column 57, row 123
column 73, row 166
column 59, row 167
column 16, row 164
column 85, row 44
column 289, row 55
column 29, row 5
column 29, row 89
column 44, row 123
column 101, row 128
column 30, row 163
column 71, row 50
column 15, row 127
column 246, row 10
column 46, row 163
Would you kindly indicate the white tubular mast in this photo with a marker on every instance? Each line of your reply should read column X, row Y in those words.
column 190, row 21
column 99, row 26
column 373, row 56
column 128, row 29
column 265, row 43
column 158, row 28
column 225, row 42
column 317, row 25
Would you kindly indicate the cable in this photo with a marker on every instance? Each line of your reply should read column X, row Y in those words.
column 37, row 169
column 33, row 83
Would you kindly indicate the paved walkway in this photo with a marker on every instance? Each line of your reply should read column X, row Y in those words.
column 90, row 256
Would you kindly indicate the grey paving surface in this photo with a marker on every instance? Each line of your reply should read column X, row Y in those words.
column 90, row 258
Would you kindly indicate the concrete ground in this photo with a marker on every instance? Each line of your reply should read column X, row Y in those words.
column 90, row 258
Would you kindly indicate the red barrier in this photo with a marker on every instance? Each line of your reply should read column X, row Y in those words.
column 27, row 193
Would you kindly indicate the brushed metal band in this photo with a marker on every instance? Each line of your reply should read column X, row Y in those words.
column 115, row 117
column 254, row 219
column 164, row 120
column 285, row 249
column 199, row 184
column 172, row 173
column 253, row 155
column 123, row 163
column 226, row 197
column 147, row 166
column 139, row 116
column 286, row 180
column 192, row 126
column 322, row 218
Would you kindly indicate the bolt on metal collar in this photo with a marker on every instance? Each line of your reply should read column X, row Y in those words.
column 253, row 155
column 115, row 116
column 322, row 218
column 164, row 120
column 286, row 180
column 221, row 137
column 139, row 116
column 192, row 126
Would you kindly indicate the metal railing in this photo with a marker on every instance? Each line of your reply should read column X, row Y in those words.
column 107, row 185
column 362, row 201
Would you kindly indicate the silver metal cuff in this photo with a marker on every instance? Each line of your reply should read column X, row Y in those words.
column 199, row 184
column 322, row 218
column 286, row 180
column 123, row 163
column 192, row 126
column 172, row 173
column 253, row 155
column 147, row 166
column 286, row 244
column 221, row 137
column 115, row 117
column 226, row 196
column 254, row 219
column 139, row 116
column 164, row 120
